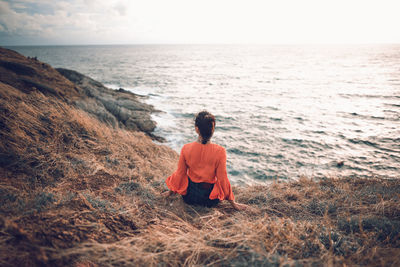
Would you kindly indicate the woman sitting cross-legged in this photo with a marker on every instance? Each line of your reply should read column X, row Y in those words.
column 201, row 176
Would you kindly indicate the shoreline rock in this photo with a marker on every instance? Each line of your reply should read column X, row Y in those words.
column 113, row 106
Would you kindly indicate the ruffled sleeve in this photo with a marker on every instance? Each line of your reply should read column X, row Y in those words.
column 178, row 181
column 222, row 188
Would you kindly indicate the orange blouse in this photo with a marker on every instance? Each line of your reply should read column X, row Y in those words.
column 202, row 163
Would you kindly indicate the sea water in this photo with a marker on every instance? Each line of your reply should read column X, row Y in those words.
column 282, row 111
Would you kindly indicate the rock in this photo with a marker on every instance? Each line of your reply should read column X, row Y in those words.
column 116, row 107
column 142, row 121
column 98, row 110
column 134, row 105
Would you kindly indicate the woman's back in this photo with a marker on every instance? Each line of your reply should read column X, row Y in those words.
column 203, row 161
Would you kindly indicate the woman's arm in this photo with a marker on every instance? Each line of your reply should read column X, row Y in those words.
column 178, row 181
column 222, row 177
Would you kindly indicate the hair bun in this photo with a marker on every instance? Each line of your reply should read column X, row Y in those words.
column 205, row 122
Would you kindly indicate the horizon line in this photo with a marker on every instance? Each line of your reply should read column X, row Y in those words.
column 233, row 44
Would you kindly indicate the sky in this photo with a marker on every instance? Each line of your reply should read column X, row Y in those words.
column 74, row 22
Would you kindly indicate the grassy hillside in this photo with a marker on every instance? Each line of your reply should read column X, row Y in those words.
column 79, row 190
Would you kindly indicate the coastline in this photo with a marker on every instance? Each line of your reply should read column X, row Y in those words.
column 81, row 181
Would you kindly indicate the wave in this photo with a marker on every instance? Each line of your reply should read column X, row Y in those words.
column 378, row 144
column 394, row 116
column 369, row 96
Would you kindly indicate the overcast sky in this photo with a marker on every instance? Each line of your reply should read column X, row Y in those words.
column 36, row 22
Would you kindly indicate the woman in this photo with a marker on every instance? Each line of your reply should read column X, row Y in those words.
column 201, row 176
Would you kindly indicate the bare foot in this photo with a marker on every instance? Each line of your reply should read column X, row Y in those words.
column 239, row 206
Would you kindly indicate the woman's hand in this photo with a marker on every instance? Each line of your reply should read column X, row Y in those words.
column 238, row 206
column 168, row 193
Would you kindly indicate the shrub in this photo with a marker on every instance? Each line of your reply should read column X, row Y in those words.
column 43, row 200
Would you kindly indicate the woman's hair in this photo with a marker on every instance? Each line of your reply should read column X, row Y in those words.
column 205, row 121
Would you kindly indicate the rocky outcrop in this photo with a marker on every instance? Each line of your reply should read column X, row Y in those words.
column 115, row 107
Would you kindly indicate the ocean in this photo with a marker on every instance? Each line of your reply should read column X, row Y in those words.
column 283, row 111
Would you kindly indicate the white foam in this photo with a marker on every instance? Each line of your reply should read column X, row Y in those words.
column 143, row 91
column 112, row 86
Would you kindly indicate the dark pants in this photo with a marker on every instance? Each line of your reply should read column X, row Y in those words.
column 199, row 193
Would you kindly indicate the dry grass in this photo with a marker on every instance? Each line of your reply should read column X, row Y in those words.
column 76, row 192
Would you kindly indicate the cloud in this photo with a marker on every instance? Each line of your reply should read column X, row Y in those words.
column 121, row 7
column 19, row 6
column 193, row 21
column 4, row 8
column 9, row 19
column 74, row 21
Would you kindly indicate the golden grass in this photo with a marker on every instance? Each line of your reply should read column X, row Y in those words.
column 80, row 193
column 172, row 233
